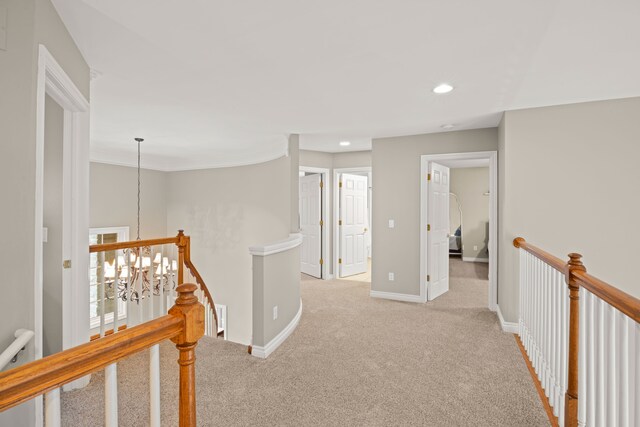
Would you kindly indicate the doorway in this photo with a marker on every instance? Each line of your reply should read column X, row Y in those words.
column 352, row 214
column 314, row 221
column 458, row 222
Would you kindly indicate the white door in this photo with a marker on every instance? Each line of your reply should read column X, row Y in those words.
column 311, row 225
column 438, row 231
column 353, row 223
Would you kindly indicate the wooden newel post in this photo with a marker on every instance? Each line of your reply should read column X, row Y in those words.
column 571, row 397
column 191, row 311
column 182, row 244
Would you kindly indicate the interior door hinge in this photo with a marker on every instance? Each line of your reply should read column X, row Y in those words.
column 321, row 223
column 428, row 177
column 321, row 184
column 428, row 278
column 66, row 263
column 339, row 222
column 340, row 184
column 321, row 261
column 428, row 227
column 339, row 260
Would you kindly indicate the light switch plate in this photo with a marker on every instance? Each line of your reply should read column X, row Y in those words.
column 392, row 223
column 3, row 28
column 275, row 312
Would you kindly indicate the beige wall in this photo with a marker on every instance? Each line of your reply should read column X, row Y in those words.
column 29, row 22
column 396, row 178
column 113, row 200
column 570, row 183
column 225, row 211
column 470, row 184
column 276, row 282
column 294, row 160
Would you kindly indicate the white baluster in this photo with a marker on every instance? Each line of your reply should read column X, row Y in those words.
column 101, row 292
column 591, row 359
column 52, row 414
column 611, row 365
column 111, row 395
column 623, row 371
column 582, row 358
column 154, row 380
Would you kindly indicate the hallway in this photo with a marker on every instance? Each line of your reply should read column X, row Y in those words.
column 353, row 360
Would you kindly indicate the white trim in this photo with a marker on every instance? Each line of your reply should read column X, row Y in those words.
column 264, row 352
column 474, row 259
column 396, row 297
column 493, row 218
column 53, row 81
column 294, row 240
column 326, row 217
column 336, row 210
column 509, row 327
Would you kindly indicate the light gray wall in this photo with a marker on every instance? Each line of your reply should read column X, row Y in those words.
column 113, row 200
column 319, row 159
column 52, row 220
column 294, row 161
column 396, row 178
column 276, row 282
column 225, row 211
column 29, row 22
column 570, row 184
column 470, row 184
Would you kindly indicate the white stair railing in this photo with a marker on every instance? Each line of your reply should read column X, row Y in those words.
column 582, row 337
column 10, row 354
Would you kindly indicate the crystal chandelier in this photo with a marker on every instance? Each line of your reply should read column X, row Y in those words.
column 134, row 266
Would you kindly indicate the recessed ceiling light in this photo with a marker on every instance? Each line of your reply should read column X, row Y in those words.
column 345, row 143
column 443, row 88
column 448, row 126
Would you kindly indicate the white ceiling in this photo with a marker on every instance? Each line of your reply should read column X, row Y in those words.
column 211, row 83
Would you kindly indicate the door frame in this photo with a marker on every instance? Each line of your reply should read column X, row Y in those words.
column 336, row 209
column 492, row 156
column 53, row 81
column 326, row 218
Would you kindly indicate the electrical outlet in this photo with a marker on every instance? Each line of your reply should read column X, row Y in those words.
column 392, row 223
column 275, row 312
column 475, row 248
column 392, row 277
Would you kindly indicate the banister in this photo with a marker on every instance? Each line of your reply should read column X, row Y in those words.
column 37, row 377
column 186, row 241
column 613, row 296
column 22, row 337
column 104, row 247
column 545, row 256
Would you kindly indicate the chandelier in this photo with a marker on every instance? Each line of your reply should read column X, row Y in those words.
column 134, row 266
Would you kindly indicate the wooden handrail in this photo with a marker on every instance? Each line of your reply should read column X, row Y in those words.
column 105, row 247
column 35, row 378
column 192, row 268
column 613, row 296
column 545, row 256
column 576, row 276
column 184, row 325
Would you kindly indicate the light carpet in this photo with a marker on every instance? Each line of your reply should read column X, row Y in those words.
column 353, row 360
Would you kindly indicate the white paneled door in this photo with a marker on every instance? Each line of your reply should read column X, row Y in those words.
column 311, row 225
column 438, row 231
column 353, row 223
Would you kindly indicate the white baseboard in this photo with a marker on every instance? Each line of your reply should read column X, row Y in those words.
column 264, row 352
column 510, row 327
column 473, row 259
column 396, row 297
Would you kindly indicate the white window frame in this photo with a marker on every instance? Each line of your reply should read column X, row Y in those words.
column 123, row 236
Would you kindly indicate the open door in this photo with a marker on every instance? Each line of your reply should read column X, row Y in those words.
column 353, row 223
column 438, row 231
column 311, row 224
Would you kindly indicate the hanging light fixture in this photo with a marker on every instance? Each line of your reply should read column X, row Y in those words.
column 135, row 265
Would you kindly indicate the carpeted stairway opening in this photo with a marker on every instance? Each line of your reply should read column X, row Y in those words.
column 353, row 360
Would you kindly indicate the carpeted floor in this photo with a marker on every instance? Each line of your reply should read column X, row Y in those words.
column 353, row 360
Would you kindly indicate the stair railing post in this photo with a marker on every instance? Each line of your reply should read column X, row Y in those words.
column 182, row 244
column 191, row 311
column 571, row 397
